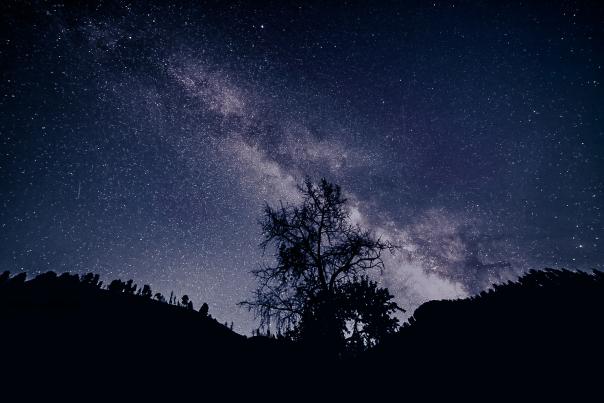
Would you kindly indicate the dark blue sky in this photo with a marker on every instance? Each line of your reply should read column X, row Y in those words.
column 140, row 141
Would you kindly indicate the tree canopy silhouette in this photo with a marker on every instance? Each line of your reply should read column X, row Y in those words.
column 318, row 291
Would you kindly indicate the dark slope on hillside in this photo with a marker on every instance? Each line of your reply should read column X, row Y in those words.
column 544, row 329
column 548, row 325
column 62, row 327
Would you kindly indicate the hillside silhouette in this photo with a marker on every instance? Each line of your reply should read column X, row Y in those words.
column 545, row 326
column 74, row 328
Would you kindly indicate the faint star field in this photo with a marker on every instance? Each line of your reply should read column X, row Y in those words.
column 141, row 140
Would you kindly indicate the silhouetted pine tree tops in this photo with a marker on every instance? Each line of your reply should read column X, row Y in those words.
column 93, row 281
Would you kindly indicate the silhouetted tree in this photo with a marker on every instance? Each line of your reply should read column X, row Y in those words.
column 120, row 287
column 186, row 302
column 130, row 287
column 159, row 297
column 368, row 310
column 116, row 286
column 91, row 279
column 146, row 291
column 47, row 278
column 69, row 279
column 204, row 310
column 320, row 254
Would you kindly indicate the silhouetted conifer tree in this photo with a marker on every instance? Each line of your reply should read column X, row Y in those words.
column 186, row 302
column 146, row 291
column 130, row 287
column 204, row 310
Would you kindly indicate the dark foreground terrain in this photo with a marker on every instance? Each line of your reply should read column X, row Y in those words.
column 544, row 331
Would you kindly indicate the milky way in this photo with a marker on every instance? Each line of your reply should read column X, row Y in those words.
column 141, row 141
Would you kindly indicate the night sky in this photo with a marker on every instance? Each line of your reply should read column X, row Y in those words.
column 141, row 141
